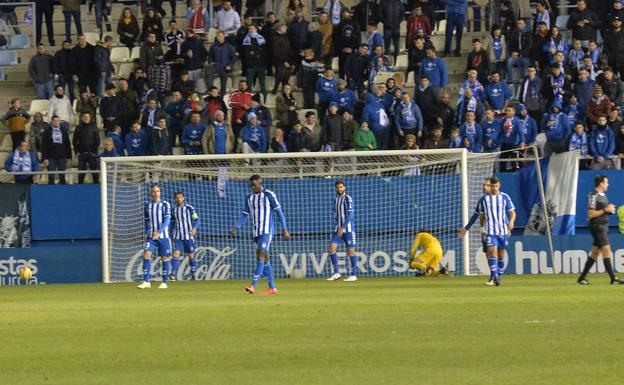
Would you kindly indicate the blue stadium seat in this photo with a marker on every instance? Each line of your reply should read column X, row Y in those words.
column 19, row 42
column 8, row 58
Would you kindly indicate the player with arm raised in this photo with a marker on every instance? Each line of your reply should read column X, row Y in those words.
column 344, row 231
column 185, row 221
column 598, row 211
column 261, row 205
column 157, row 220
column 499, row 215
column 462, row 231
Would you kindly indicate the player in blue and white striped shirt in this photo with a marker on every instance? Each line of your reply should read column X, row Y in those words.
column 157, row 219
column 185, row 222
column 495, row 209
column 261, row 205
column 344, row 230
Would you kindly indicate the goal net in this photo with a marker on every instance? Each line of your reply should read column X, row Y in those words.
column 395, row 194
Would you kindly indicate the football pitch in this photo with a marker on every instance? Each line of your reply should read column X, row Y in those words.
column 533, row 330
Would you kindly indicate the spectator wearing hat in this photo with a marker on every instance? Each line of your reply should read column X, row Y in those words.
column 344, row 97
column 599, row 105
column 601, row 144
column 218, row 138
column 332, row 135
column 253, row 139
column 22, row 160
column 281, row 55
column 557, row 129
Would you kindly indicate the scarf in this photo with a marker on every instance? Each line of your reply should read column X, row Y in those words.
column 597, row 99
column 259, row 39
column 508, row 127
column 472, row 104
column 127, row 20
column 530, row 88
column 335, row 11
column 576, row 58
column 557, row 81
column 22, row 162
column 470, row 129
column 406, row 111
column 57, row 135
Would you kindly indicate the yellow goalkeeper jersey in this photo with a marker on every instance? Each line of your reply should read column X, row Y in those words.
column 427, row 241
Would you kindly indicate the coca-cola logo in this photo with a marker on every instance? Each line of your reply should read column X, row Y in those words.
column 210, row 265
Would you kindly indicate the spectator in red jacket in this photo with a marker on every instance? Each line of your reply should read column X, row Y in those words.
column 240, row 103
column 417, row 21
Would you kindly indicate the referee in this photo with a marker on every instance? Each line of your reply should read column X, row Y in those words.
column 598, row 211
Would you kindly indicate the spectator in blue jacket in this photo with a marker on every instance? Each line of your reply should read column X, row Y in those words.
column 109, row 150
column 223, row 56
column 344, row 97
column 578, row 141
column 374, row 38
column 176, row 111
column 378, row 121
column 435, row 69
column 408, row 118
column 492, row 130
column 137, row 141
column 497, row 93
column 584, row 87
column 455, row 20
column 512, row 139
column 575, row 112
column 254, row 138
column 601, row 144
column 22, row 160
column 556, row 128
column 469, row 103
column 325, row 88
column 192, row 135
column 471, row 133
column 115, row 136
column 529, row 125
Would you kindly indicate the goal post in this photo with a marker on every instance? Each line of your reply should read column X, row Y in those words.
column 396, row 193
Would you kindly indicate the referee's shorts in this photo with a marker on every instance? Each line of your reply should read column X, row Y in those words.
column 600, row 235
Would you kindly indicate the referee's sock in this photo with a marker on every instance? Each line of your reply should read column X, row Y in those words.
column 493, row 263
column 588, row 265
column 147, row 267
column 166, row 266
column 258, row 273
column 609, row 267
column 175, row 265
column 268, row 272
column 334, row 262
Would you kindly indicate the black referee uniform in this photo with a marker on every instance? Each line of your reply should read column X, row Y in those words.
column 599, row 229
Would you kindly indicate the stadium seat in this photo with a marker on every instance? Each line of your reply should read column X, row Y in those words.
column 119, row 54
column 270, row 101
column 440, row 28
column 123, row 70
column 335, row 65
column 92, row 37
column 599, row 39
column 226, row 100
column 401, row 63
column 19, row 42
column 403, row 28
column 212, row 34
column 135, row 54
column 562, row 22
column 409, row 82
column 217, row 83
column 39, row 105
column 8, row 58
column 7, row 144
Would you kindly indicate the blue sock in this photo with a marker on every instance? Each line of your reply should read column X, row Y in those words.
column 193, row 263
column 147, row 267
column 268, row 271
column 493, row 262
column 175, row 264
column 501, row 267
column 334, row 261
column 354, row 265
column 258, row 273
column 166, row 267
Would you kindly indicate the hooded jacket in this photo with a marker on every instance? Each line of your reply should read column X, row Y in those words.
column 601, row 142
column 556, row 125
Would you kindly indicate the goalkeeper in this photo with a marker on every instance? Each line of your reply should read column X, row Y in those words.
column 428, row 260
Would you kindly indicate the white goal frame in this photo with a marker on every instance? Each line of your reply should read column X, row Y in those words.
column 458, row 153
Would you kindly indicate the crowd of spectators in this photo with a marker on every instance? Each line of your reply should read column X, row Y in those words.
column 527, row 83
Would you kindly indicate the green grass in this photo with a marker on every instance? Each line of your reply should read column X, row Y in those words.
column 534, row 330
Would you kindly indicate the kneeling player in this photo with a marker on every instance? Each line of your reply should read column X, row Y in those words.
column 186, row 221
column 428, row 260
column 157, row 219
column 344, row 231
